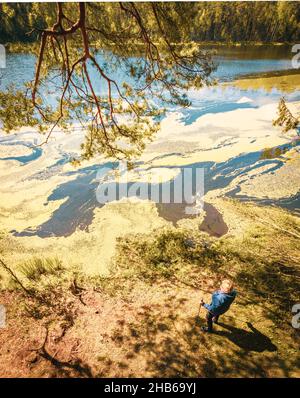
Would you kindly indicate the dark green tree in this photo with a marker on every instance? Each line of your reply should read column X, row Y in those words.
column 285, row 118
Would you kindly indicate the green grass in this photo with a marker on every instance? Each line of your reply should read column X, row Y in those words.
column 156, row 280
column 264, row 262
column 35, row 268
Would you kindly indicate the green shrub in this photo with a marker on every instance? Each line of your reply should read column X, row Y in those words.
column 36, row 267
column 167, row 253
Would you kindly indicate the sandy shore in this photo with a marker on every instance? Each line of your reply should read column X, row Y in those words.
column 285, row 83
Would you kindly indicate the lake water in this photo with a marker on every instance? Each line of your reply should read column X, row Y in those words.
column 234, row 63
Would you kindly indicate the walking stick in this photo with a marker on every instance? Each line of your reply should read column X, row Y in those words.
column 196, row 321
column 200, row 305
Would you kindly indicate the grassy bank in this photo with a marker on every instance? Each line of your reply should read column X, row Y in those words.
column 141, row 319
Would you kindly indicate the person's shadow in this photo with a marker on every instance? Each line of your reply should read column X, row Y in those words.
column 252, row 340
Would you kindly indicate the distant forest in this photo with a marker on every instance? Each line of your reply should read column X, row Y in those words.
column 208, row 21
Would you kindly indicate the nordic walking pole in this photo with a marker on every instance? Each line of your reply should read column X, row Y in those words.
column 200, row 305
column 196, row 321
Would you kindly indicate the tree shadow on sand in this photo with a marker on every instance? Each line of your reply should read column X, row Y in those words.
column 67, row 368
column 248, row 340
column 174, row 346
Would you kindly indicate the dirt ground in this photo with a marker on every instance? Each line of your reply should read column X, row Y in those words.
column 153, row 332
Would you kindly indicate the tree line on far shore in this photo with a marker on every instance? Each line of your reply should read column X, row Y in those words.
column 266, row 21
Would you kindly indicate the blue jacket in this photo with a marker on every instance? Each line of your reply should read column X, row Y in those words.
column 220, row 302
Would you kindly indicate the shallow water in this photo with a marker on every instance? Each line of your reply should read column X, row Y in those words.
column 78, row 210
column 35, row 154
column 80, row 194
column 233, row 63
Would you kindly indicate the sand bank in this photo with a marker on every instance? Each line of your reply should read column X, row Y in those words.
column 286, row 83
column 216, row 137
